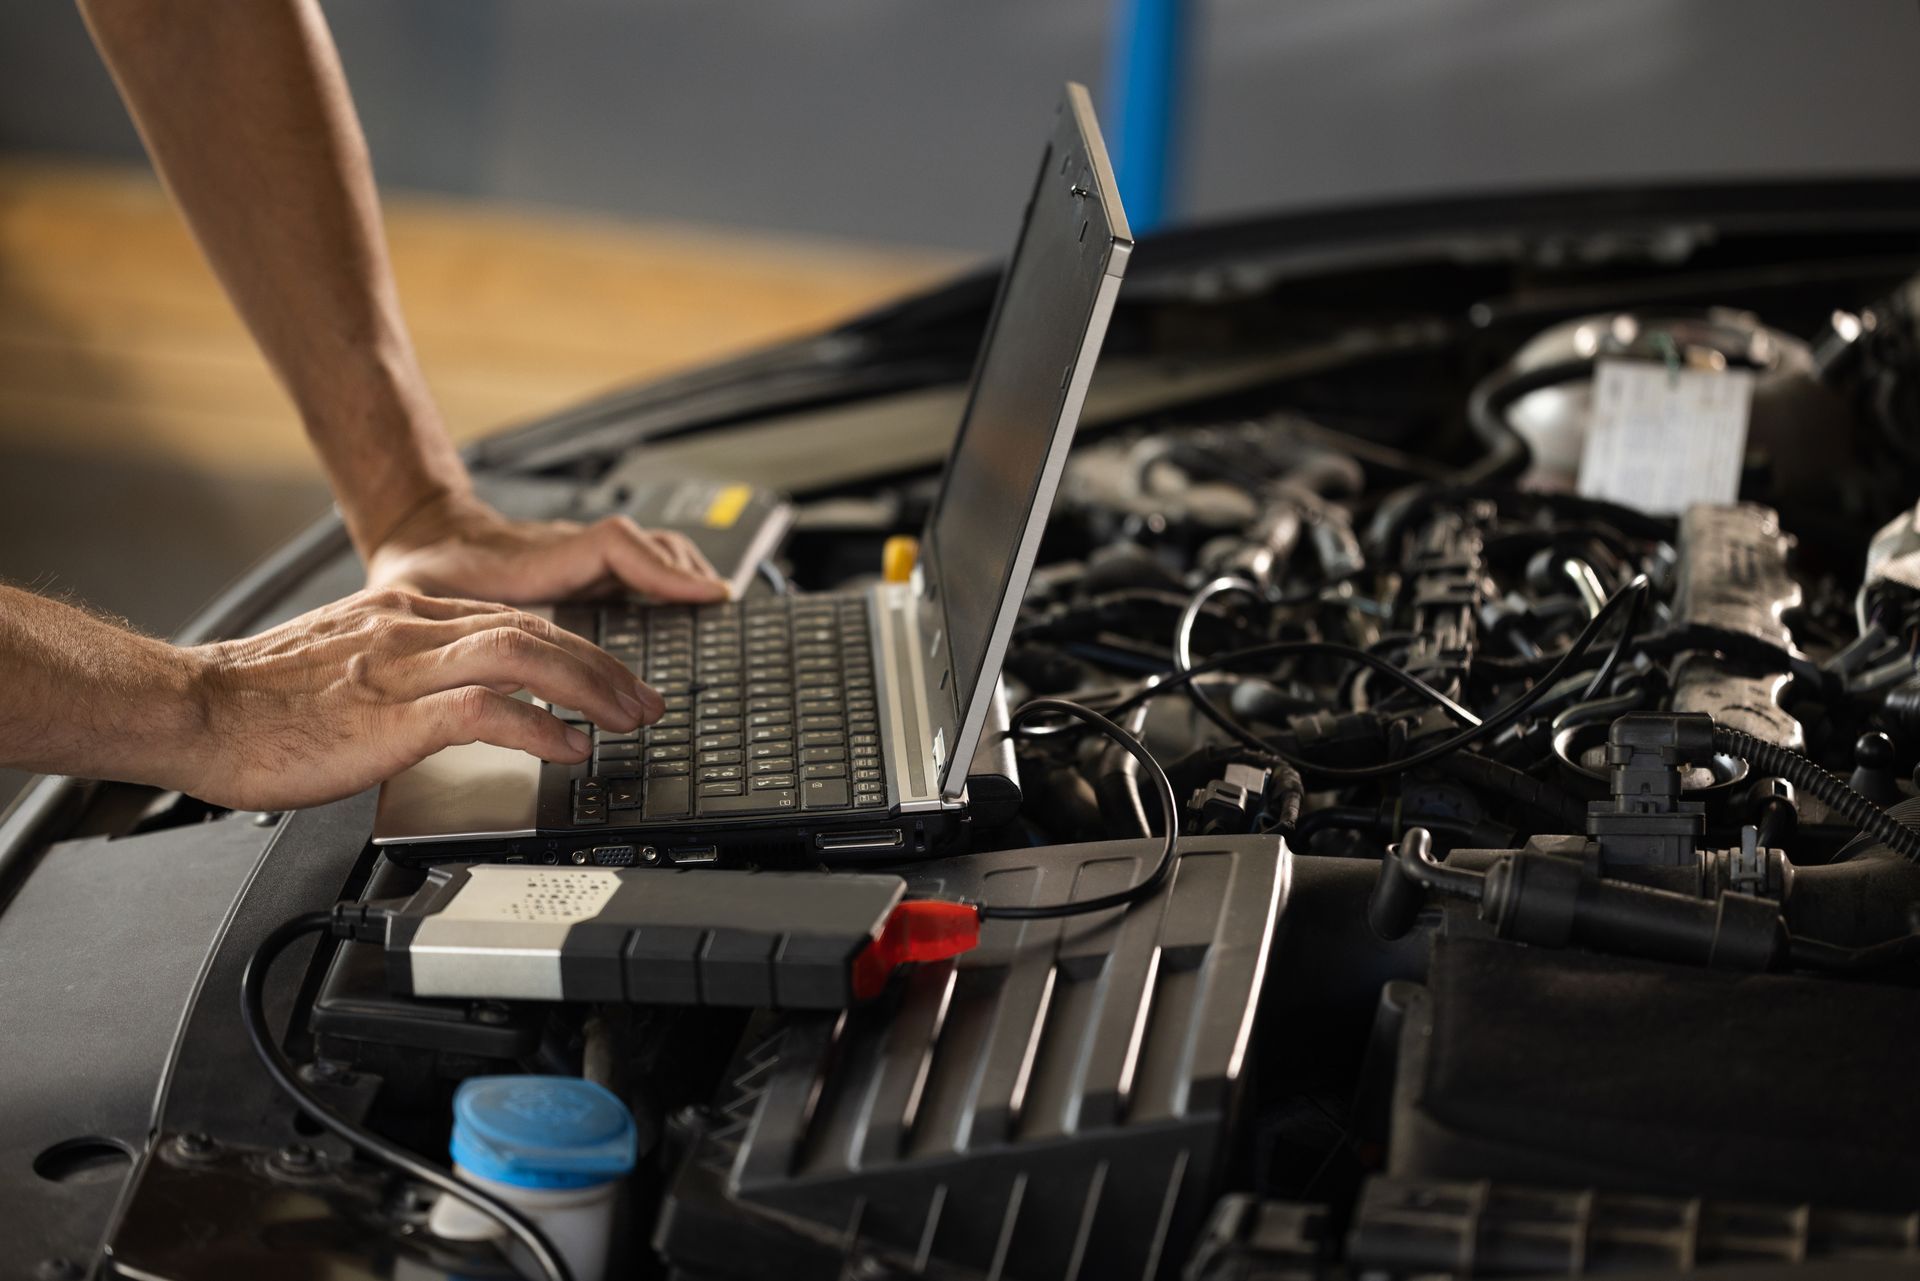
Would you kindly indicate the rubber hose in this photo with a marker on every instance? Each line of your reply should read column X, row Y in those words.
column 1764, row 758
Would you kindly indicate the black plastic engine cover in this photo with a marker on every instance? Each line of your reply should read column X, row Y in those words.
column 1572, row 1069
column 1053, row 1104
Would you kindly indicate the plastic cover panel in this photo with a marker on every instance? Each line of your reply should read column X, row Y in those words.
column 1052, row 1104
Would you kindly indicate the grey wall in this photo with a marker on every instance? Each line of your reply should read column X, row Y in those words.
column 911, row 121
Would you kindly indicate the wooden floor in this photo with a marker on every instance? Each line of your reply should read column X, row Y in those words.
column 115, row 339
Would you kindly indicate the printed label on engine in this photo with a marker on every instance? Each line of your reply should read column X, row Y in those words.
column 1662, row 439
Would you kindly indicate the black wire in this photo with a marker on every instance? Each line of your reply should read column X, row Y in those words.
column 1182, row 660
column 1169, row 848
column 1508, row 453
column 1305, row 649
column 253, row 1013
column 1601, row 677
column 1493, row 724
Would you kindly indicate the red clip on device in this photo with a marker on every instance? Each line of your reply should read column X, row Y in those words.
column 916, row 930
column 764, row 940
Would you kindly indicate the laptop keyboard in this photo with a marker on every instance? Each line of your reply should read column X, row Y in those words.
column 770, row 710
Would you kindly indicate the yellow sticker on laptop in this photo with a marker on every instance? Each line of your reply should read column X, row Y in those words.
column 727, row 504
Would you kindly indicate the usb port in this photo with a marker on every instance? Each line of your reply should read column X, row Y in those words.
column 695, row 855
column 871, row 838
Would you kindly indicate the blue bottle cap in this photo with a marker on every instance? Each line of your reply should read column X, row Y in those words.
column 541, row 1131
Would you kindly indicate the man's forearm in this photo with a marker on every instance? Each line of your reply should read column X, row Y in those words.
column 245, row 111
column 86, row 697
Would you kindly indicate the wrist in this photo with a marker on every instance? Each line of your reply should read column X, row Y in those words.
column 180, row 726
column 431, row 509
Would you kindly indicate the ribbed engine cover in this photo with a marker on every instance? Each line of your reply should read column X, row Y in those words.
column 1052, row 1104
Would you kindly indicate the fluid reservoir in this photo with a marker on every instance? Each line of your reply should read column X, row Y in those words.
column 555, row 1147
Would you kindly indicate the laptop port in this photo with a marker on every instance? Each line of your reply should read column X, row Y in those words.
column 695, row 855
column 608, row 856
column 869, row 838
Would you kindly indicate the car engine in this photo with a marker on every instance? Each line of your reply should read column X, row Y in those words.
column 1547, row 900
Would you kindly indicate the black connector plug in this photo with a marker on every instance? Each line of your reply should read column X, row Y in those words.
column 359, row 922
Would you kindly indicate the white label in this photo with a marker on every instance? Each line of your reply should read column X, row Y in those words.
column 1664, row 439
column 532, row 895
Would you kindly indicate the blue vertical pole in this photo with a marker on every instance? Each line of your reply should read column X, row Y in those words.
column 1145, row 65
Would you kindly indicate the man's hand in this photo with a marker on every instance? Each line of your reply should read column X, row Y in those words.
column 457, row 545
column 315, row 709
column 351, row 694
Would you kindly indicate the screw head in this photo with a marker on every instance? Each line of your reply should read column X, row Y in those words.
column 297, row 1156
column 578, row 856
column 195, row 1146
column 491, row 1012
column 649, row 855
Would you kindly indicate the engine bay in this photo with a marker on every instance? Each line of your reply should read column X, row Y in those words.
column 1545, row 895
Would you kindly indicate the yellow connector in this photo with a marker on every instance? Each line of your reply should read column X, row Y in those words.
column 898, row 556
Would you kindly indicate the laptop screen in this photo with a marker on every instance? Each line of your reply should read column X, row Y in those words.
column 1028, row 386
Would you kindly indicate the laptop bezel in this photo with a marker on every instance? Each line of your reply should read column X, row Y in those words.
column 957, row 729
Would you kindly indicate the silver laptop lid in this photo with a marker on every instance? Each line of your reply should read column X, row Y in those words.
column 1028, row 386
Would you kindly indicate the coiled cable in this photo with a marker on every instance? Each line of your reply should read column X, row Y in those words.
column 1764, row 758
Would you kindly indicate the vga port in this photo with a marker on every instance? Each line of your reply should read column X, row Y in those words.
column 612, row 856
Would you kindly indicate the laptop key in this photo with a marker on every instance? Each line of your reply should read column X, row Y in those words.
column 719, row 774
column 825, row 794
column 774, row 765
column 773, row 780
column 667, row 769
column 812, row 754
column 666, row 798
column 826, row 769
column 771, row 801
column 716, row 742
column 822, row 738
column 761, row 751
column 719, row 789
column 625, row 794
